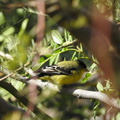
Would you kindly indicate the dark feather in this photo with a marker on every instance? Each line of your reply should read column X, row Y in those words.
column 60, row 70
column 53, row 70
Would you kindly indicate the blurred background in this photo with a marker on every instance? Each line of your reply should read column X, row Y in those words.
column 37, row 33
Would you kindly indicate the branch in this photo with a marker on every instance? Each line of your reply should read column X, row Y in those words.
column 78, row 92
column 6, row 108
column 23, row 99
column 93, row 95
column 14, row 75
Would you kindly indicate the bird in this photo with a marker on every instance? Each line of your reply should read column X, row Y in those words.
column 63, row 73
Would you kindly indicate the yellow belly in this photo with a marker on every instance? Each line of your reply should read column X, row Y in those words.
column 67, row 79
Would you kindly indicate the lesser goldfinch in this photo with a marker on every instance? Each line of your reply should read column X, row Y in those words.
column 65, row 72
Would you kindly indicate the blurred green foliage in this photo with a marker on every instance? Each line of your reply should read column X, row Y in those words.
column 17, row 38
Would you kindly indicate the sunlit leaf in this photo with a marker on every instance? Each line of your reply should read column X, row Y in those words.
column 23, row 27
column 100, row 86
column 57, row 58
column 93, row 66
column 57, row 37
column 1, row 38
column 88, row 75
column 118, row 116
column 9, row 31
column 2, row 18
column 81, row 47
column 52, row 60
column 108, row 84
column 73, row 56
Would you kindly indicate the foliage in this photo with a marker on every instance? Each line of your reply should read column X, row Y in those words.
column 17, row 40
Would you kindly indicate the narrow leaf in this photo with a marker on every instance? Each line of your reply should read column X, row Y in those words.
column 100, row 86
column 57, row 37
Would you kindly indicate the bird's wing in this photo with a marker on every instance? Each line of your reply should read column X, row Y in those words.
column 53, row 70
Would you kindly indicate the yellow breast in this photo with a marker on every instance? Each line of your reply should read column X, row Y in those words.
column 67, row 79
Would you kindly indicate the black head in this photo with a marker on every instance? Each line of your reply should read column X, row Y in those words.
column 82, row 64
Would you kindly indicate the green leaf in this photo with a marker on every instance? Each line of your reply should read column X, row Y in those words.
column 100, row 86
column 57, row 37
column 9, row 31
column 88, row 75
column 81, row 47
column 57, row 58
column 118, row 116
column 23, row 27
column 108, row 84
column 93, row 66
column 2, row 18
column 52, row 60
column 74, row 55
column 1, row 38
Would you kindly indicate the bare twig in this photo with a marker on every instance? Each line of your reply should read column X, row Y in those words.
column 13, row 74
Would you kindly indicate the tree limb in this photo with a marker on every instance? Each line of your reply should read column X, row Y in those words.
column 23, row 99
column 78, row 92
column 6, row 108
column 93, row 95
